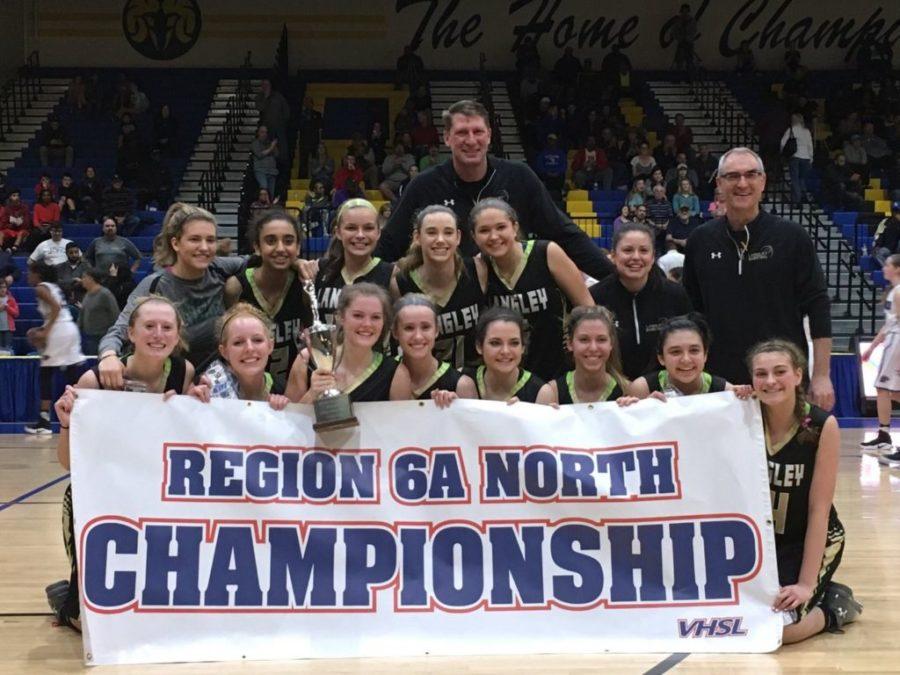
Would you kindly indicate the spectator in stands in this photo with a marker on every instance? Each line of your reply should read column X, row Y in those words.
column 550, row 166
column 887, row 235
column 395, row 170
column 643, row 163
column 310, row 133
column 745, row 60
column 317, row 210
column 98, row 313
column 639, row 214
column 69, row 272
column 9, row 310
column 550, row 123
column 154, row 183
column 165, row 131
column 365, row 158
column 656, row 178
column 321, row 166
column 680, row 227
column 45, row 183
column 115, row 258
column 424, row 134
column 684, row 34
column 678, row 173
column 684, row 136
column 623, row 217
column 263, row 202
column 119, row 202
column 384, row 214
column 666, row 153
column 843, row 185
column 351, row 190
column 857, row 158
column 566, row 71
column 638, row 194
column 90, row 194
column 76, row 95
column 52, row 251
column 47, row 210
column 431, row 158
column 131, row 150
column 56, row 145
column 590, row 167
column 68, row 198
column 659, row 213
column 685, row 197
column 717, row 205
column 616, row 67
column 800, row 161
column 15, row 221
column 264, row 149
column 349, row 170
column 410, row 69
column 704, row 166
column 274, row 115
column 876, row 148
column 378, row 142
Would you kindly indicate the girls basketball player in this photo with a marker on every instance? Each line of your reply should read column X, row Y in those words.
column 802, row 443
column 533, row 277
column 415, row 330
column 434, row 267
column 275, row 288
column 500, row 339
column 887, row 382
column 597, row 377
column 155, row 330
column 365, row 374
column 350, row 258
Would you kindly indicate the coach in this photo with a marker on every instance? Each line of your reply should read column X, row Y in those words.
column 471, row 175
column 755, row 276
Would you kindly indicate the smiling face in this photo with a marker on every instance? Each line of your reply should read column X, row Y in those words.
column 358, row 232
column 438, row 237
column 494, row 232
column 744, row 194
column 683, row 357
column 633, row 256
column 468, row 139
column 246, row 346
column 502, row 348
column 154, row 330
column 363, row 321
column 775, row 380
column 196, row 247
column 590, row 344
column 415, row 329
column 278, row 245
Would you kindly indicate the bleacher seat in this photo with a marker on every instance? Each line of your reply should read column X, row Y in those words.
column 300, row 183
column 577, row 196
column 883, row 206
column 580, row 207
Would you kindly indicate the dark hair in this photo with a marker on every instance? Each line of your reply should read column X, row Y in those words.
column 628, row 228
column 692, row 321
column 44, row 271
column 491, row 203
column 469, row 109
column 71, row 245
column 333, row 261
column 599, row 313
column 414, row 257
column 797, row 358
column 495, row 314
column 93, row 273
column 257, row 225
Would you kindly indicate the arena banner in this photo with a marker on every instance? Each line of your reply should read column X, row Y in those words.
column 229, row 531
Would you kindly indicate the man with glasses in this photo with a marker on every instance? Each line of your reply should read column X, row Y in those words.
column 756, row 276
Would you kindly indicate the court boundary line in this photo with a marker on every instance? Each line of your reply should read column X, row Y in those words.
column 667, row 663
column 31, row 493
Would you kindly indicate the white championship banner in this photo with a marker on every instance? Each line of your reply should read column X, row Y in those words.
column 229, row 531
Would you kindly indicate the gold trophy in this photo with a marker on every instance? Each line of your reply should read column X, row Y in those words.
column 333, row 408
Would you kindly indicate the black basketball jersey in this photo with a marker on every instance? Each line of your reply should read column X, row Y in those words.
column 565, row 387
column 445, row 377
column 542, row 303
column 174, row 369
column 659, row 381
column 790, row 477
column 456, row 319
column 328, row 292
column 375, row 383
column 526, row 388
column 290, row 313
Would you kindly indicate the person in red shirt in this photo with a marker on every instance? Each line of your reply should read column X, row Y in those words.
column 15, row 221
column 45, row 183
column 47, row 209
column 590, row 166
column 684, row 136
column 424, row 134
column 348, row 170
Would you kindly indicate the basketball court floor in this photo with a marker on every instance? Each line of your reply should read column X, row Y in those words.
column 32, row 556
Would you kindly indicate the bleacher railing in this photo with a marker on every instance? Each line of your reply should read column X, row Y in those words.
column 17, row 94
column 485, row 93
column 213, row 176
column 734, row 125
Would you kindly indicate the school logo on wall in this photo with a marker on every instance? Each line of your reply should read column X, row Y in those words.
column 161, row 29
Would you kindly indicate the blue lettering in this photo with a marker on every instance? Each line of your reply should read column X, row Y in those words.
column 656, row 476
column 262, row 475
column 360, row 574
column 222, row 463
column 648, row 560
column 184, row 564
column 318, row 475
column 185, row 472
column 444, row 549
column 578, row 475
column 357, row 474
column 719, row 567
column 501, row 472
column 540, row 474
column 124, row 539
column 566, row 587
column 616, row 464
column 446, row 478
column 412, row 582
column 233, row 564
column 685, row 575
column 314, row 562
column 513, row 564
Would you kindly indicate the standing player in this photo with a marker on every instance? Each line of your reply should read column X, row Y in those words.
column 802, row 443
column 434, row 267
column 350, row 257
column 275, row 288
column 887, row 382
column 535, row 278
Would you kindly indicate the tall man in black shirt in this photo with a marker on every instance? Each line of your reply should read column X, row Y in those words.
column 755, row 276
column 471, row 175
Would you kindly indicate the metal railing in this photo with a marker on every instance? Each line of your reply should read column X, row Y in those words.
column 19, row 92
column 485, row 93
column 734, row 125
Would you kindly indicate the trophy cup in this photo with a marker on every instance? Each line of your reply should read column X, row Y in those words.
column 333, row 409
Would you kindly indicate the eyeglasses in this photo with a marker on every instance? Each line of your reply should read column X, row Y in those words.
column 735, row 176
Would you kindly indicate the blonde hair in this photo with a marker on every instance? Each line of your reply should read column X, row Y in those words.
column 414, row 257
column 333, row 261
column 599, row 313
column 177, row 217
column 238, row 310
column 160, row 300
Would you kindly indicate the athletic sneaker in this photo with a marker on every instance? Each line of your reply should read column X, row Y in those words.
column 841, row 604
column 41, row 428
column 882, row 441
column 890, row 459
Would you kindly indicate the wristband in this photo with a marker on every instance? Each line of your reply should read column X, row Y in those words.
column 106, row 355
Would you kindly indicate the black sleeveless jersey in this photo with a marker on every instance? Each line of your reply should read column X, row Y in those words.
column 790, row 478
column 526, row 389
column 456, row 320
column 659, row 381
column 327, row 292
column 375, row 383
column 565, row 388
column 445, row 377
column 175, row 370
column 541, row 302
column 290, row 313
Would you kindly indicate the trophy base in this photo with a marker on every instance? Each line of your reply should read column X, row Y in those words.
column 334, row 412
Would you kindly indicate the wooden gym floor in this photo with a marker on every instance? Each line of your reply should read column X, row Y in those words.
column 32, row 556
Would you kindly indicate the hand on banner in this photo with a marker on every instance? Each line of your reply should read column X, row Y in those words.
column 64, row 405
column 658, row 395
column 743, row 391
column 278, row 402
column 169, row 394
column 791, row 597
column 200, row 391
column 625, row 401
column 443, row 398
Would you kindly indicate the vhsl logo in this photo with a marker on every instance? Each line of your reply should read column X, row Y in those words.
column 719, row 626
